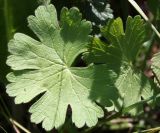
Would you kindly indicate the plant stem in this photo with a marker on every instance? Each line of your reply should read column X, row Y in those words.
column 19, row 125
column 10, row 120
column 136, row 6
column 5, row 107
column 15, row 124
column 5, row 116
column 152, row 130
column 8, row 20
column 3, row 129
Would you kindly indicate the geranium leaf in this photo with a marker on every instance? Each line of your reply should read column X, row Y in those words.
column 120, row 55
column 45, row 67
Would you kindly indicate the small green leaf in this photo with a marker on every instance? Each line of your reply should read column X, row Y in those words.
column 120, row 55
column 45, row 67
column 129, row 42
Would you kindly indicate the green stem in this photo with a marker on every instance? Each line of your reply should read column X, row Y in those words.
column 148, row 50
column 152, row 130
column 5, row 116
column 5, row 107
column 8, row 19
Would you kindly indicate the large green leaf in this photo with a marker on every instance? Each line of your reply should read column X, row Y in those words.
column 45, row 67
column 120, row 55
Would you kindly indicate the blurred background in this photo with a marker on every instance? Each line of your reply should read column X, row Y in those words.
column 13, row 14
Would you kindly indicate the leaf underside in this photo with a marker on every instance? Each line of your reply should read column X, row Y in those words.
column 44, row 67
